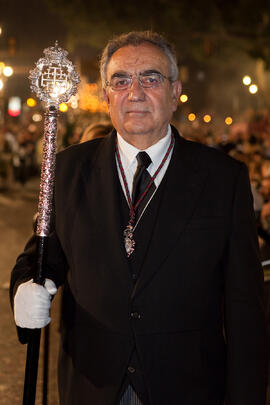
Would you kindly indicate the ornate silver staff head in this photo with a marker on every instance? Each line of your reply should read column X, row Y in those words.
column 54, row 79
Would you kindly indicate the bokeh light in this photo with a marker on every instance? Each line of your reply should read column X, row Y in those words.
column 8, row 71
column 31, row 102
column 191, row 117
column 246, row 80
column 37, row 117
column 253, row 89
column 207, row 118
column 183, row 98
column 228, row 120
column 63, row 107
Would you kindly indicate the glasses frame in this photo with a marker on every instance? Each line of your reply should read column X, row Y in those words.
column 138, row 77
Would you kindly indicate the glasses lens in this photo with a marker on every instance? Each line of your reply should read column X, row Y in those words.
column 146, row 80
column 120, row 83
column 151, row 80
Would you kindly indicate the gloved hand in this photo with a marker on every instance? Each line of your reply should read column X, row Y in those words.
column 32, row 304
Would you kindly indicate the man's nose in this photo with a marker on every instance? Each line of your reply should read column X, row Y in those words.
column 136, row 91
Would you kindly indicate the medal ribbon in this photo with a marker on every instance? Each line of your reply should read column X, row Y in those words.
column 128, row 233
column 133, row 208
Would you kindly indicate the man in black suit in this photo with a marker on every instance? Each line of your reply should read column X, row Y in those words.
column 155, row 243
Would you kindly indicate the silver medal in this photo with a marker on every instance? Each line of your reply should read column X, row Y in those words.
column 128, row 240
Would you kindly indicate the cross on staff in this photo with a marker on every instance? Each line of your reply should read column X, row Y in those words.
column 54, row 78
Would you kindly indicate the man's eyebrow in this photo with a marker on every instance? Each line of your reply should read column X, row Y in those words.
column 150, row 72
column 120, row 74
column 126, row 74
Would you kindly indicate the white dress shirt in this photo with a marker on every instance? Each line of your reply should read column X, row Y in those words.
column 156, row 152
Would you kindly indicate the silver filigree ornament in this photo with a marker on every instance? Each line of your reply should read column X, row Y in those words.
column 54, row 79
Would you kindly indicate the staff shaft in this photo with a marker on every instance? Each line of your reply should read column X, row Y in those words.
column 42, row 232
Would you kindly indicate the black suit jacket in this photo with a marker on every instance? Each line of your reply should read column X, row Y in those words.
column 201, row 330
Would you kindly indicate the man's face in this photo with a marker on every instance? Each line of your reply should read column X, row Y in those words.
column 140, row 111
column 265, row 188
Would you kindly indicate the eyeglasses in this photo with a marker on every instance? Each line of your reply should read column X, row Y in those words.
column 146, row 80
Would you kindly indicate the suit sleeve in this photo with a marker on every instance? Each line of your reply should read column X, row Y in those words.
column 245, row 326
column 55, row 269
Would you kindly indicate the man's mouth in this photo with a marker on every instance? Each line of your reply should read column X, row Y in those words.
column 136, row 112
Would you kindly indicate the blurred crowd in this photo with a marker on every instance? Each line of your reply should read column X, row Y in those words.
column 21, row 147
column 247, row 140
column 17, row 154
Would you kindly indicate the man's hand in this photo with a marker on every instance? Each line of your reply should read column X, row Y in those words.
column 32, row 304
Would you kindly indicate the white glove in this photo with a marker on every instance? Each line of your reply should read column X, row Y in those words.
column 32, row 304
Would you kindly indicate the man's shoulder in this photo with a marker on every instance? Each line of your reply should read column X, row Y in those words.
column 76, row 156
column 212, row 157
column 79, row 151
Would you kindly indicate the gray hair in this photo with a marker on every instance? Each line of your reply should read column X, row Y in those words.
column 136, row 38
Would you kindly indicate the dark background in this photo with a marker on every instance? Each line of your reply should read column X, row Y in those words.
column 217, row 43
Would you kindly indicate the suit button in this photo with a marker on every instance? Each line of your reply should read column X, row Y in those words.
column 135, row 315
column 131, row 369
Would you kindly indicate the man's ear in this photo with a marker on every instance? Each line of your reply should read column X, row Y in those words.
column 176, row 91
column 105, row 96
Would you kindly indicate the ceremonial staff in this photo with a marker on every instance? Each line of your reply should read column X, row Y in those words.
column 54, row 80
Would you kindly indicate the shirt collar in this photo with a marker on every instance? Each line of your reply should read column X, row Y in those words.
column 156, row 151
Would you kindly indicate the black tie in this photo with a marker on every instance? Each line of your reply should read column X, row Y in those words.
column 141, row 180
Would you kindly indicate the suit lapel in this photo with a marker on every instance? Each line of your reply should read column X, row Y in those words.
column 103, row 178
column 184, row 182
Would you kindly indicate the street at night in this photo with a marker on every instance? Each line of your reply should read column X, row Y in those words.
column 17, row 208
